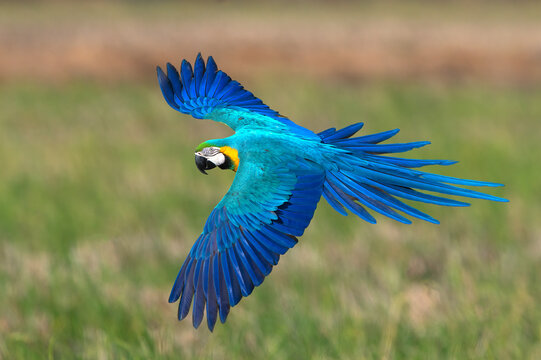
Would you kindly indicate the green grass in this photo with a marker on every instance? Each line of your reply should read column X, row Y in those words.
column 100, row 202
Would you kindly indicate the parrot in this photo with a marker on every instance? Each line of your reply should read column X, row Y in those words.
column 281, row 171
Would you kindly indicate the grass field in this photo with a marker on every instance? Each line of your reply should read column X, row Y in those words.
column 100, row 200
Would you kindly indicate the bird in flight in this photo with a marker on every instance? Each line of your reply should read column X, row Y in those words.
column 282, row 171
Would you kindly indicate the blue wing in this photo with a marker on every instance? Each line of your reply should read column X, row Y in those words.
column 208, row 93
column 269, row 203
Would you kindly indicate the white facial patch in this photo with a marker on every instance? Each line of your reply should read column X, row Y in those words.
column 213, row 155
column 217, row 159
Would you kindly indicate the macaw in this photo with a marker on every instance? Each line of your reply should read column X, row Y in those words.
column 282, row 170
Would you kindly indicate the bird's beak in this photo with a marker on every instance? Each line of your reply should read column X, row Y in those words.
column 203, row 164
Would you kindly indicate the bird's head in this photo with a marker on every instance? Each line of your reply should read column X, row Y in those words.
column 208, row 157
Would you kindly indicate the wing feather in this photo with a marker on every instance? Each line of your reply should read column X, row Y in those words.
column 208, row 93
column 245, row 235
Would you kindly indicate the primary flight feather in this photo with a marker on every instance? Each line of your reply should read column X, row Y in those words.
column 282, row 170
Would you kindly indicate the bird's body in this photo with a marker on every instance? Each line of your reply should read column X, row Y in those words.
column 282, row 171
column 268, row 146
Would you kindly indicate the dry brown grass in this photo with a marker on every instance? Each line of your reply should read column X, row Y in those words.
column 115, row 42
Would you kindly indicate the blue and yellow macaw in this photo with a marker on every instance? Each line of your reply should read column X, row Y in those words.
column 282, row 170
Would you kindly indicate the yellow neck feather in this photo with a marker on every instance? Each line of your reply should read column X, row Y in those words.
column 232, row 154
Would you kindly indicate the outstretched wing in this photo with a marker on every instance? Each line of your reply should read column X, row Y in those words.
column 270, row 202
column 208, row 93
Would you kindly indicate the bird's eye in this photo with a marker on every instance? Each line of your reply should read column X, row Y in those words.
column 210, row 151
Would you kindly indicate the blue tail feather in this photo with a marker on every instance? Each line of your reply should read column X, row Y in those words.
column 407, row 163
column 378, row 137
column 324, row 134
column 373, row 203
column 332, row 200
column 376, row 180
column 343, row 133
column 348, row 201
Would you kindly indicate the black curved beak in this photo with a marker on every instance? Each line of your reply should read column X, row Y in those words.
column 203, row 164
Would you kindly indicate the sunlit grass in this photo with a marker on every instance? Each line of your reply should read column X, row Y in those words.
column 100, row 202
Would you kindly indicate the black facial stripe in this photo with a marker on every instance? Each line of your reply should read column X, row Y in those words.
column 227, row 164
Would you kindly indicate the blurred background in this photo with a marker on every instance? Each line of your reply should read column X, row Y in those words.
column 100, row 200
